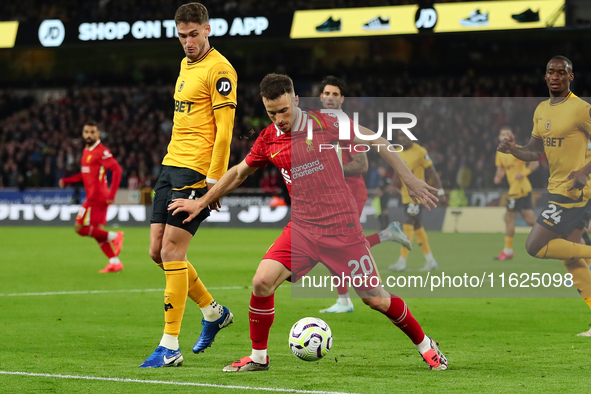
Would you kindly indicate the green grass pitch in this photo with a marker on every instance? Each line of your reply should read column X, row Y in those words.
column 493, row 345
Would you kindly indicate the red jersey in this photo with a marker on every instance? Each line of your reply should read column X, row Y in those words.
column 355, row 182
column 96, row 160
column 321, row 201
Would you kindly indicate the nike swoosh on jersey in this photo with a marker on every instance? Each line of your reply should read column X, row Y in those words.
column 169, row 360
column 276, row 153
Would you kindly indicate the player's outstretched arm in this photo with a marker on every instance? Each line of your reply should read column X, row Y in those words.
column 230, row 181
column 499, row 175
column 72, row 179
column 533, row 151
column 396, row 184
column 432, row 174
column 418, row 190
column 357, row 165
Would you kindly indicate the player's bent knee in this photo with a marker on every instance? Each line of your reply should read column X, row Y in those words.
column 532, row 248
column 170, row 251
column 374, row 303
column 263, row 285
column 155, row 254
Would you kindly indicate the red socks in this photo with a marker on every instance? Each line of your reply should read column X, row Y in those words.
column 107, row 249
column 399, row 314
column 99, row 234
column 261, row 314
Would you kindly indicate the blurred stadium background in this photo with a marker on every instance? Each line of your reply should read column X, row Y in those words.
column 64, row 62
column 116, row 62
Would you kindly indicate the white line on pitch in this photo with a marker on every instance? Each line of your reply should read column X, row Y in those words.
column 221, row 386
column 50, row 293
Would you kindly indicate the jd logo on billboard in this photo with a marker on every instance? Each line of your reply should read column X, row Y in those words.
column 425, row 19
column 51, row 33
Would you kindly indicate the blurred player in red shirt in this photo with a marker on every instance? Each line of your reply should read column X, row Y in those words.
column 332, row 96
column 92, row 217
column 324, row 222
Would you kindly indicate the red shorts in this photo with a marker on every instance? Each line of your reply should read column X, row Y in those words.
column 92, row 215
column 343, row 255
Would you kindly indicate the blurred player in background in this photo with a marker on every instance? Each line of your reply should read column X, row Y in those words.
column 519, row 199
column 561, row 129
column 324, row 222
column 332, row 96
column 198, row 155
column 92, row 217
column 418, row 161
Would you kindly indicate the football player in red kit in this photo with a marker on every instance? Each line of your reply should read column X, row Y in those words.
column 92, row 217
column 324, row 222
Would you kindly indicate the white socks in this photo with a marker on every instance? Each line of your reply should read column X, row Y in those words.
column 259, row 356
column 114, row 260
column 169, row 342
column 112, row 235
column 508, row 251
column 429, row 257
column 344, row 299
column 212, row 312
column 385, row 235
column 425, row 345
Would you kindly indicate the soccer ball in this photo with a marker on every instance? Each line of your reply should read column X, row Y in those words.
column 310, row 339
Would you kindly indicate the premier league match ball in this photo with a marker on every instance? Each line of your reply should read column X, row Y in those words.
column 310, row 339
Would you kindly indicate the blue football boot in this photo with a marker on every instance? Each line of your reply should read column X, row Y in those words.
column 163, row 357
column 210, row 330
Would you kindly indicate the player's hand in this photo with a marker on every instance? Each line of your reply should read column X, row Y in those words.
column 519, row 176
column 216, row 205
column 192, row 207
column 110, row 202
column 579, row 179
column 421, row 193
column 61, row 183
column 498, row 179
column 507, row 144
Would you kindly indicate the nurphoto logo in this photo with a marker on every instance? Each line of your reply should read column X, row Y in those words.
column 345, row 129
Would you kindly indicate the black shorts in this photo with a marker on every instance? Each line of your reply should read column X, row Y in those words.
column 173, row 183
column 519, row 204
column 413, row 210
column 563, row 220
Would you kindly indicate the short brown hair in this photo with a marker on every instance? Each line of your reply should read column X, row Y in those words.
column 191, row 13
column 274, row 86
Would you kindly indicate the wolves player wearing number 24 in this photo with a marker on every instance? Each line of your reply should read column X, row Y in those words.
column 561, row 129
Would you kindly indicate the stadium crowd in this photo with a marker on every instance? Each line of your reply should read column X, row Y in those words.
column 40, row 142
